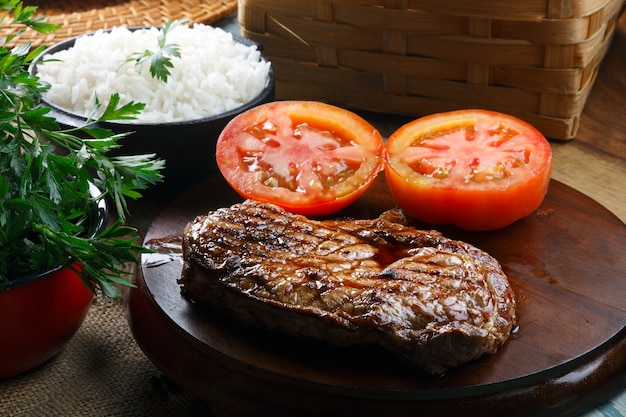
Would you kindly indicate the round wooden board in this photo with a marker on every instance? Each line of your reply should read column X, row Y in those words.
column 566, row 263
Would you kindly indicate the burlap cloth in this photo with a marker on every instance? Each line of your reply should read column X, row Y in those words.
column 101, row 372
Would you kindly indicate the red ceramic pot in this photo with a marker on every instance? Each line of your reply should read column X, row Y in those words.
column 41, row 312
column 38, row 316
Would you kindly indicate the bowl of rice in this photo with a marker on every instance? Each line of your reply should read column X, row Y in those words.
column 217, row 76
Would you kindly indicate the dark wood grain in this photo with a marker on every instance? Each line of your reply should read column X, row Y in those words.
column 565, row 263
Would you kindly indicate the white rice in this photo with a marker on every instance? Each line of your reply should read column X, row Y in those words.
column 214, row 74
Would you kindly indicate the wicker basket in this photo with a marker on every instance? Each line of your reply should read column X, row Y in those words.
column 77, row 17
column 536, row 59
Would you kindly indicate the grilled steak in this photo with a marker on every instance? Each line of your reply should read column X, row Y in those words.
column 434, row 301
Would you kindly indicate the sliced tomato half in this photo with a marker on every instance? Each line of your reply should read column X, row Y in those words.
column 477, row 169
column 308, row 157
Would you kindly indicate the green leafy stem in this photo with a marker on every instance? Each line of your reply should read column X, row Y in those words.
column 161, row 59
column 46, row 172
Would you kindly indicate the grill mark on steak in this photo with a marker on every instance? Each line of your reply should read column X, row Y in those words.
column 436, row 302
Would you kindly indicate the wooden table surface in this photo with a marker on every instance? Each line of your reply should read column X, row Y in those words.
column 593, row 163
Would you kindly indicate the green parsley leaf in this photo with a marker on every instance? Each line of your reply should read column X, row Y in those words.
column 46, row 173
column 161, row 59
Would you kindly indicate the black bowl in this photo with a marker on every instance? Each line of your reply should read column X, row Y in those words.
column 188, row 147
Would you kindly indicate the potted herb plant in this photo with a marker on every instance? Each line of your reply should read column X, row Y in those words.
column 56, row 248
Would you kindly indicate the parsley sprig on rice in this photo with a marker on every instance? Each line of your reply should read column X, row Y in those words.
column 213, row 74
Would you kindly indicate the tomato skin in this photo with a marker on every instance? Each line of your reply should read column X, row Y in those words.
column 484, row 205
column 308, row 157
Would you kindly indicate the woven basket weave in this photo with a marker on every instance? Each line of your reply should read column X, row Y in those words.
column 536, row 59
column 77, row 17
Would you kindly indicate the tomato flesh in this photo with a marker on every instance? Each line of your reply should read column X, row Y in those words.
column 308, row 157
column 477, row 169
